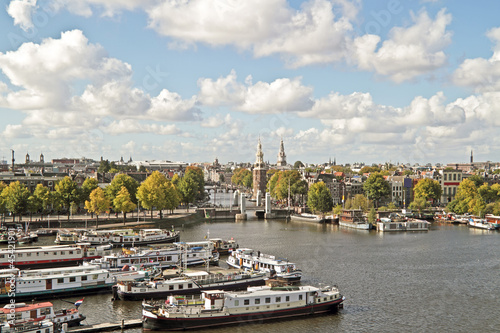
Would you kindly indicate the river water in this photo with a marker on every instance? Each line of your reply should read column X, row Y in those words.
column 443, row 280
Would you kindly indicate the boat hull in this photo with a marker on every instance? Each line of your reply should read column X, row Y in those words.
column 151, row 323
column 54, row 293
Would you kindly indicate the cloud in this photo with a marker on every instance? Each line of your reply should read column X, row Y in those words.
column 281, row 95
column 409, row 52
column 128, row 126
column 70, row 82
column 22, row 11
column 479, row 73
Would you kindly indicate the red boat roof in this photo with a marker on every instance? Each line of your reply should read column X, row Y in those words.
column 19, row 307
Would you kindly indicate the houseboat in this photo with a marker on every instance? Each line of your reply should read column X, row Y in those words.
column 51, row 256
column 22, row 312
column 177, row 255
column 129, row 237
column 354, row 218
column 53, row 282
column 187, row 283
column 281, row 269
column 306, row 217
column 398, row 223
column 221, row 308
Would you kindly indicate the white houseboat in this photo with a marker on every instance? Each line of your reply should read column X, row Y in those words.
column 354, row 218
column 187, row 283
column 39, row 311
column 390, row 225
column 306, row 217
column 67, row 237
column 51, row 256
column 129, row 237
column 282, row 269
column 256, row 304
column 481, row 224
column 177, row 255
column 53, row 282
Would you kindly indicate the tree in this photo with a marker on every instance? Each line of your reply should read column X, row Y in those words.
column 298, row 165
column 419, row 204
column 319, row 198
column 360, row 202
column 369, row 169
column 467, row 199
column 196, row 174
column 489, row 193
column 15, row 197
column 123, row 203
column 119, row 181
column 2, row 201
column 283, row 183
column 372, row 216
column 477, row 179
column 88, row 186
column 428, row 189
column 173, row 197
column 104, row 166
column 376, row 187
column 152, row 192
column 97, row 203
column 187, row 190
column 239, row 175
column 142, row 168
column 69, row 192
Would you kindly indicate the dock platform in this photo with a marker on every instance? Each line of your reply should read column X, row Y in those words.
column 125, row 324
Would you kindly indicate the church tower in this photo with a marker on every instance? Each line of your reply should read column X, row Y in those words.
column 259, row 173
column 281, row 155
column 42, row 159
column 27, row 158
column 471, row 157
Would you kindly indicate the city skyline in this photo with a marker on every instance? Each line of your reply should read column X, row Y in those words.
column 399, row 81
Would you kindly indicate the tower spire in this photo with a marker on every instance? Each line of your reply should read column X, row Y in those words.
column 281, row 155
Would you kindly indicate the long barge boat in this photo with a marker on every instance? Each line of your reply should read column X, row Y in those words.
column 256, row 304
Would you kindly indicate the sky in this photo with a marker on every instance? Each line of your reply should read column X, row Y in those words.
column 193, row 80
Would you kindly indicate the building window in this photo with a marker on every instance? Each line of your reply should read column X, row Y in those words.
column 454, row 176
column 445, row 178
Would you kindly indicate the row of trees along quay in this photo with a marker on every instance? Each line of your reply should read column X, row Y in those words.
column 122, row 195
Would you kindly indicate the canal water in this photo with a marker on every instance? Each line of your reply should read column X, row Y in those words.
column 443, row 280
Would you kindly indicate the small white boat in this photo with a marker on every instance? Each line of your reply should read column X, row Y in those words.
column 481, row 224
column 306, row 217
column 23, row 312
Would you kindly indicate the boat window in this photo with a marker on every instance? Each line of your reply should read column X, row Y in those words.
column 171, row 287
column 287, row 298
column 84, row 277
column 278, row 299
column 181, row 286
column 19, row 255
column 28, row 254
column 257, row 301
column 190, row 285
column 72, row 279
column 70, row 252
column 2, row 256
column 125, row 261
column 268, row 299
column 169, row 258
column 95, row 277
column 237, row 302
column 60, row 280
column 300, row 297
column 246, row 302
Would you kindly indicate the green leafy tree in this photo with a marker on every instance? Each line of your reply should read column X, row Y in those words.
column 337, row 210
column 319, row 198
column 467, row 199
column 478, row 180
column 372, row 216
column 104, row 166
column 142, row 168
column 407, row 173
column 15, row 196
column 89, row 184
column 283, row 183
column 369, row 169
column 43, row 194
column 196, row 174
column 187, row 190
column 97, row 203
column 2, row 201
column 173, row 197
column 489, row 193
column 298, row 165
column 391, row 206
column 119, row 181
column 376, row 187
column 152, row 194
column 123, row 203
column 239, row 176
column 69, row 192
column 428, row 189
column 360, row 202
column 419, row 204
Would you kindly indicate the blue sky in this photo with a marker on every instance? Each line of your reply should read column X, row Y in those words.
column 372, row 81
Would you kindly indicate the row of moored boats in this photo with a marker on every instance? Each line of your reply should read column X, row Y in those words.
column 256, row 285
